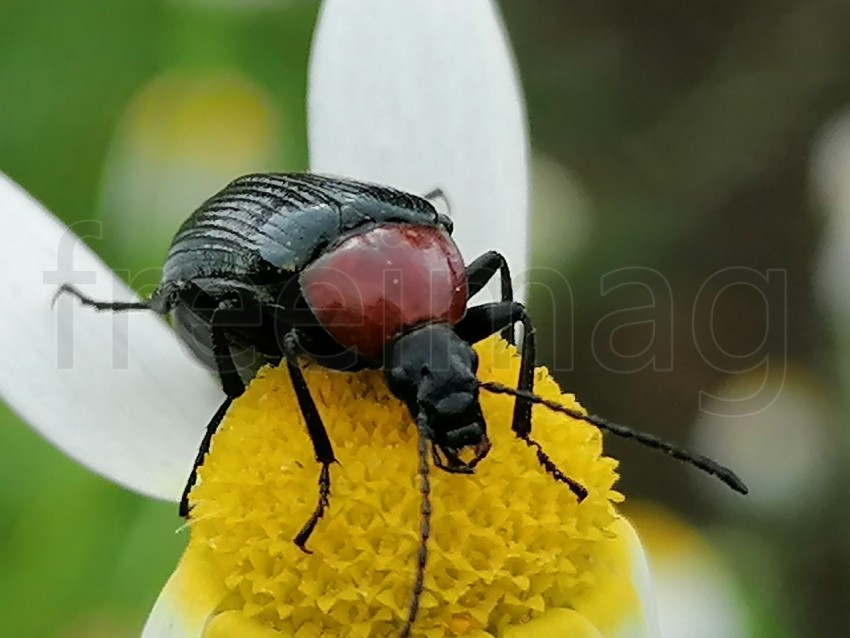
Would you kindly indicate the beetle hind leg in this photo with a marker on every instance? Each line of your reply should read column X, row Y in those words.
column 185, row 508
column 231, row 383
column 114, row 306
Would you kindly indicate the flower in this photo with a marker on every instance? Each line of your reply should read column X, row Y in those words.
column 507, row 544
column 417, row 95
column 694, row 584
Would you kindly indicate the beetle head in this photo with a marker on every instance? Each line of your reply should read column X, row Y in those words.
column 433, row 371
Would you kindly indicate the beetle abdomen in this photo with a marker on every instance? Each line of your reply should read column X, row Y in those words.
column 375, row 285
column 260, row 226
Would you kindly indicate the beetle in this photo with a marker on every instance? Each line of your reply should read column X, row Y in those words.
column 354, row 275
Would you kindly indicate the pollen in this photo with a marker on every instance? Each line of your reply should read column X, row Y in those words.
column 508, row 543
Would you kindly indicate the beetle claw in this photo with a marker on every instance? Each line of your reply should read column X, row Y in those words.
column 481, row 451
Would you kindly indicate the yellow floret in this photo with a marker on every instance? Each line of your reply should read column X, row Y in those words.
column 507, row 543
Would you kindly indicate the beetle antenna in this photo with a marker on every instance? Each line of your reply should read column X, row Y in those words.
column 425, row 526
column 644, row 438
column 114, row 306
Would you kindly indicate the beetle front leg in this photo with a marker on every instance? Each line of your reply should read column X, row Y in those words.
column 452, row 463
column 481, row 271
column 482, row 321
column 318, row 435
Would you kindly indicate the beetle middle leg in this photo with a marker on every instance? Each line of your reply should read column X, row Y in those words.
column 481, row 271
column 318, row 435
column 482, row 321
column 231, row 382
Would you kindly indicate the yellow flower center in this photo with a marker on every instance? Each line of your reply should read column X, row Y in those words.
column 507, row 543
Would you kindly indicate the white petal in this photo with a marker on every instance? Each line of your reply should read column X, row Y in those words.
column 694, row 583
column 184, row 606
column 189, row 606
column 831, row 181
column 643, row 623
column 166, row 619
column 698, row 599
column 424, row 94
column 114, row 391
column 621, row 604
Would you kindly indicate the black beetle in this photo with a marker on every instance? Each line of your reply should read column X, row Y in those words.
column 353, row 275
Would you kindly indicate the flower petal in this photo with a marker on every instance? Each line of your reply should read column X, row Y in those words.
column 187, row 603
column 493, row 560
column 643, row 623
column 114, row 391
column 424, row 94
column 697, row 593
column 621, row 603
column 556, row 622
column 190, row 605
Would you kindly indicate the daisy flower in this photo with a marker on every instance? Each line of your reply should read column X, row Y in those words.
column 417, row 95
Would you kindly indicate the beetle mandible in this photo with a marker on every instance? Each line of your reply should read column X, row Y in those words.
column 354, row 275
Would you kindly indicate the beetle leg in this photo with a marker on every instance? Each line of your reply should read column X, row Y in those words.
column 481, row 451
column 444, row 211
column 481, row 271
column 318, row 435
column 233, row 387
column 437, row 193
column 212, row 427
column 484, row 320
column 452, row 463
column 114, row 306
column 231, row 382
column 437, row 459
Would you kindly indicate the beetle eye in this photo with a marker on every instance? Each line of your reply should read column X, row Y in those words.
column 424, row 371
